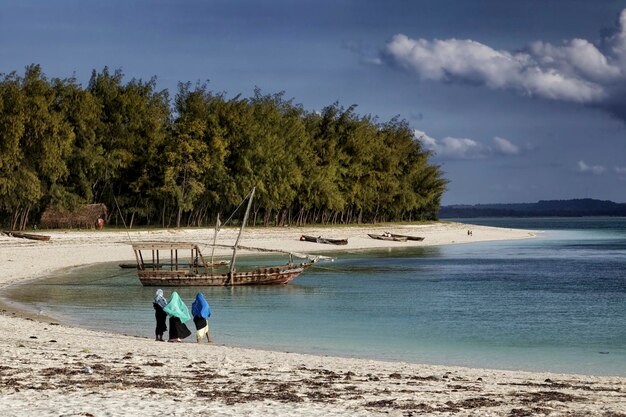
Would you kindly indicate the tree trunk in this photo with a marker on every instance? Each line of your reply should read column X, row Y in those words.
column 178, row 216
column 14, row 220
column 300, row 220
column 26, row 218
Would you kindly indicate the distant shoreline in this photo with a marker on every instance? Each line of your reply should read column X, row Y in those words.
column 585, row 207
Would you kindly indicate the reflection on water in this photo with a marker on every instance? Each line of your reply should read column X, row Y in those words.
column 552, row 303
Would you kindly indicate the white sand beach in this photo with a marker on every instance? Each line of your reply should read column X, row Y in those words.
column 50, row 369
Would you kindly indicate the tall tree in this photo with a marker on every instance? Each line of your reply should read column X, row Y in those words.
column 134, row 124
column 18, row 187
column 46, row 143
column 188, row 153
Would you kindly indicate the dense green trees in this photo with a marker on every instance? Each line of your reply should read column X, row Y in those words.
column 179, row 163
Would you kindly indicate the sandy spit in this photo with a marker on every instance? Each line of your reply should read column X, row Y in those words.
column 50, row 369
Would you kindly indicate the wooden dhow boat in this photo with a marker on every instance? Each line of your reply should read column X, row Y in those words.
column 183, row 264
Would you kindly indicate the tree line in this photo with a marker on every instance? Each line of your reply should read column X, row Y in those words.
column 180, row 162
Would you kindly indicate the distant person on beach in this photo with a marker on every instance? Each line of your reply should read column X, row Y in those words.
column 179, row 314
column 201, row 311
column 159, row 303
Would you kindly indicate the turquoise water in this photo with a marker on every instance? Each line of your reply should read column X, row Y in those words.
column 555, row 303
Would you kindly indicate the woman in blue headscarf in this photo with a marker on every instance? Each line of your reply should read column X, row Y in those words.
column 160, row 315
column 179, row 314
column 201, row 311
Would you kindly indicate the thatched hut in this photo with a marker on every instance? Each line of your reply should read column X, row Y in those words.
column 90, row 216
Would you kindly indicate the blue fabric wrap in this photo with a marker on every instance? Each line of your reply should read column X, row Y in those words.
column 200, row 307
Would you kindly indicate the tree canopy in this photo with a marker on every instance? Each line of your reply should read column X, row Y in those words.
column 180, row 162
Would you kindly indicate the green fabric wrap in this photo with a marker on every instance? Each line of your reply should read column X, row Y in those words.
column 177, row 308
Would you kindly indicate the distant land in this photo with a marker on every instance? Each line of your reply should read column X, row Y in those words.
column 544, row 208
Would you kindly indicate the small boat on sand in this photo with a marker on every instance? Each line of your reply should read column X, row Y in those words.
column 414, row 238
column 388, row 237
column 21, row 235
column 327, row 241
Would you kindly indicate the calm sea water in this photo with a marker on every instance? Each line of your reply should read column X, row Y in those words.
column 554, row 303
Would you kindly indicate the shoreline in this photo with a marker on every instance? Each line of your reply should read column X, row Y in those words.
column 275, row 238
column 45, row 365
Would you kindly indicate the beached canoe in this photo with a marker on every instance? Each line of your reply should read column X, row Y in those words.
column 327, row 241
column 414, row 238
column 25, row 235
column 388, row 237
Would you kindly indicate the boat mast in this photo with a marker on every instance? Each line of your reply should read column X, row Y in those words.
column 243, row 224
column 217, row 229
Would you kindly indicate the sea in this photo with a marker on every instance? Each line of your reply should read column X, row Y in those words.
column 554, row 303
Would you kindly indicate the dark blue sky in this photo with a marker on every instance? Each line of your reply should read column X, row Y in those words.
column 520, row 101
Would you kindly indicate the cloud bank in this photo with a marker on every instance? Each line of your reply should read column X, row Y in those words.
column 577, row 71
column 590, row 169
column 464, row 148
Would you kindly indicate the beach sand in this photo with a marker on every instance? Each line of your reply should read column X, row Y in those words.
column 50, row 369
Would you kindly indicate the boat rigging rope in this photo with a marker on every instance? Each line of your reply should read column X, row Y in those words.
column 122, row 217
column 218, row 226
column 234, row 212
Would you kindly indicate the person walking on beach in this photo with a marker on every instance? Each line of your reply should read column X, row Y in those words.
column 201, row 311
column 179, row 314
column 159, row 303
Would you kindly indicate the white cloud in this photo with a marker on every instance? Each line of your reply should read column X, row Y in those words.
column 461, row 148
column 576, row 71
column 577, row 58
column 505, row 147
column 428, row 142
column 464, row 148
column 620, row 170
column 590, row 169
column 451, row 148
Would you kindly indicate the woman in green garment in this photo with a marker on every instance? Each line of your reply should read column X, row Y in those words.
column 179, row 314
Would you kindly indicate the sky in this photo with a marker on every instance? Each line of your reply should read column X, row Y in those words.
column 518, row 101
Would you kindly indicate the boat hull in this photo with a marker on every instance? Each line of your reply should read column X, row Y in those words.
column 11, row 233
column 262, row 276
column 327, row 241
column 389, row 238
column 414, row 238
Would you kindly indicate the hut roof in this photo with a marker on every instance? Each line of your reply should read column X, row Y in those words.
column 83, row 217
